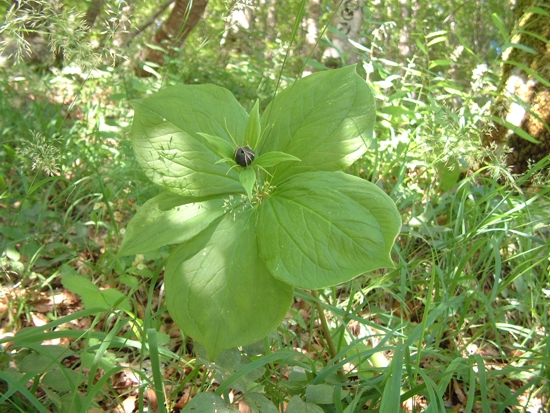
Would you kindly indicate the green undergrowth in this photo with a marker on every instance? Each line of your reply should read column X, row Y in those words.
column 460, row 323
column 464, row 308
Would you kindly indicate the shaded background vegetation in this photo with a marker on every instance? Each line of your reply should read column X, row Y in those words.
column 462, row 147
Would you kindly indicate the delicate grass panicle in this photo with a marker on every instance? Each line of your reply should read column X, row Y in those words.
column 43, row 154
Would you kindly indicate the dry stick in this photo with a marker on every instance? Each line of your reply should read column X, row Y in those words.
column 326, row 332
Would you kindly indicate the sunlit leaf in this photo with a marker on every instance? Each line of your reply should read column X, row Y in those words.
column 320, row 229
column 168, row 147
column 220, row 292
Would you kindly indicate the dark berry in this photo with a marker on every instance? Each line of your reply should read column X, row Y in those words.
column 244, row 156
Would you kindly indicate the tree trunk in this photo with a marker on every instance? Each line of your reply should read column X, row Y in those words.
column 312, row 29
column 237, row 37
column 122, row 34
column 271, row 20
column 94, row 10
column 183, row 18
column 152, row 19
column 349, row 21
column 529, row 92
column 405, row 32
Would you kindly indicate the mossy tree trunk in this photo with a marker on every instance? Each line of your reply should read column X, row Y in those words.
column 525, row 94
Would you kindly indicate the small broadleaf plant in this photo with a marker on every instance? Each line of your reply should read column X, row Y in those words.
column 257, row 206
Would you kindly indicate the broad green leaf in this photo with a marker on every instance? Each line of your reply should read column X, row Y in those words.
column 168, row 147
column 63, row 379
column 319, row 229
column 48, row 358
column 219, row 291
column 230, row 361
column 260, row 403
column 207, row 403
column 448, row 173
column 326, row 120
column 92, row 296
column 253, row 128
column 269, row 159
column 248, row 179
column 155, row 226
column 106, row 362
column 115, row 299
column 297, row 405
column 320, row 393
column 440, row 62
column 71, row 402
column 223, row 148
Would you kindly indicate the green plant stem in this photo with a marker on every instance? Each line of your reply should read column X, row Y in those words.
column 324, row 326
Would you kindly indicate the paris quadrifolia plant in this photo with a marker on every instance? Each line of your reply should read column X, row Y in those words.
column 257, row 206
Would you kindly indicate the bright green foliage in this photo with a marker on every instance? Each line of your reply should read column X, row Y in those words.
column 167, row 144
column 325, row 120
column 207, row 403
column 91, row 295
column 471, row 287
column 321, row 229
column 220, row 292
column 249, row 234
column 296, row 405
